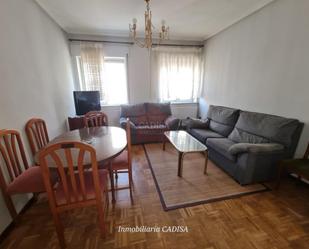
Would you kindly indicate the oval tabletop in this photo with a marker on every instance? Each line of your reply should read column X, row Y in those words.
column 108, row 141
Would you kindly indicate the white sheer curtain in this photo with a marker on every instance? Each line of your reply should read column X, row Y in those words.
column 92, row 67
column 103, row 68
column 176, row 73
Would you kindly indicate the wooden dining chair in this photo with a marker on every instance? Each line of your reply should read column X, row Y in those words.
column 123, row 162
column 37, row 134
column 95, row 118
column 79, row 185
column 16, row 176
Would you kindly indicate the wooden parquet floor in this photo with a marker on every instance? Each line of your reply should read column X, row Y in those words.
column 268, row 220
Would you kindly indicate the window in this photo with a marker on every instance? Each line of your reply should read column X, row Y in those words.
column 179, row 74
column 115, row 78
column 103, row 73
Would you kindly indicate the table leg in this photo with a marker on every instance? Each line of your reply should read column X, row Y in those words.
column 111, row 176
column 206, row 162
column 164, row 145
column 180, row 163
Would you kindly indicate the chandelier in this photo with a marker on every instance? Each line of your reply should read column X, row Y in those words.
column 148, row 41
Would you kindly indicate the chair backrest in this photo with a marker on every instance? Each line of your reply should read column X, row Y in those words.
column 129, row 146
column 12, row 155
column 95, row 118
column 37, row 134
column 70, row 158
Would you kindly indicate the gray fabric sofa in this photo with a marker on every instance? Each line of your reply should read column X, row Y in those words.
column 247, row 145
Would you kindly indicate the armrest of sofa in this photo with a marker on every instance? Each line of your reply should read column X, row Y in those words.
column 255, row 148
column 172, row 123
column 123, row 122
column 197, row 123
column 258, row 166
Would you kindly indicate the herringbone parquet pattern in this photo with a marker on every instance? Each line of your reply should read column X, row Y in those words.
column 268, row 220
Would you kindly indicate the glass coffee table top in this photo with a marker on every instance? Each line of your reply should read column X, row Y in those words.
column 184, row 142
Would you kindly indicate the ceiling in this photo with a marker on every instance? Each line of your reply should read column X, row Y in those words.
column 188, row 19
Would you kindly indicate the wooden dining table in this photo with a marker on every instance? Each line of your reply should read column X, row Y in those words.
column 108, row 142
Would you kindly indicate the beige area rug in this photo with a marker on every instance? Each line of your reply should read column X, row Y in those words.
column 193, row 188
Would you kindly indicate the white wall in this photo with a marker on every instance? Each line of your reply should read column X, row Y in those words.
column 139, row 75
column 262, row 63
column 35, row 74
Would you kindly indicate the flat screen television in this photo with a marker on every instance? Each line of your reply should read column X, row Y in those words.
column 86, row 101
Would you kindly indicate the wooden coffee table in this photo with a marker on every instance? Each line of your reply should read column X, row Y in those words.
column 184, row 143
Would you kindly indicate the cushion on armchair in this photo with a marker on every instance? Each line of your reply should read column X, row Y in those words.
column 149, row 121
column 157, row 113
column 158, row 109
column 133, row 110
column 136, row 113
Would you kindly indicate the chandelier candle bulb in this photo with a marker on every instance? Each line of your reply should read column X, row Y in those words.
column 149, row 27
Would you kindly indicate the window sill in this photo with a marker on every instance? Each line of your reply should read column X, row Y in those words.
column 105, row 105
column 172, row 103
column 184, row 103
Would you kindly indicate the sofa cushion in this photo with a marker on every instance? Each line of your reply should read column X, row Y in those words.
column 255, row 148
column 222, row 129
column 139, row 120
column 157, row 119
column 158, row 109
column 203, row 134
column 240, row 136
column 222, row 119
column 275, row 128
column 133, row 110
column 194, row 123
column 221, row 145
column 223, row 115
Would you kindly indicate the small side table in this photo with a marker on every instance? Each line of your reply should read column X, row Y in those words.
column 300, row 167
